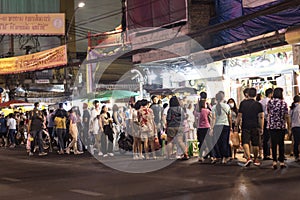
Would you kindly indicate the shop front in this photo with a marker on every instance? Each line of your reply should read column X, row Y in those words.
column 265, row 69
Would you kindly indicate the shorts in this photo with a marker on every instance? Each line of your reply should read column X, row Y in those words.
column 250, row 135
column 173, row 131
column 3, row 134
column 146, row 136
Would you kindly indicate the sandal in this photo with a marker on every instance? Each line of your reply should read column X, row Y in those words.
column 185, row 157
column 283, row 166
column 274, row 165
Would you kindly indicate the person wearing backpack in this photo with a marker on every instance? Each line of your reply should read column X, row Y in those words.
column 35, row 128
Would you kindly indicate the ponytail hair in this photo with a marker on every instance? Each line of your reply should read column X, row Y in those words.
column 219, row 98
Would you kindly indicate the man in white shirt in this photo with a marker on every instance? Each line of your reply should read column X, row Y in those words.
column 12, row 126
column 266, row 134
column 94, row 128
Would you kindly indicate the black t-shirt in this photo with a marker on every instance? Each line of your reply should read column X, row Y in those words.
column 61, row 113
column 250, row 110
column 37, row 119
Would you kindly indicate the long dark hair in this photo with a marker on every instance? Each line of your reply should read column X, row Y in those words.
column 219, row 99
column 234, row 109
column 102, row 109
column 296, row 100
column 174, row 102
column 202, row 103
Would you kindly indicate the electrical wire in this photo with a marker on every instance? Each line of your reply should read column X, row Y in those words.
column 81, row 30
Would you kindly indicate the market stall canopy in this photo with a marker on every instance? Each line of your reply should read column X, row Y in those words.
column 172, row 91
column 111, row 94
column 8, row 103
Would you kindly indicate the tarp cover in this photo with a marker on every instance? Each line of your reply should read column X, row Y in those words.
column 231, row 9
column 155, row 13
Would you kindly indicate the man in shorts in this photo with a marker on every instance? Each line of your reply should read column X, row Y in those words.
column 252, row 117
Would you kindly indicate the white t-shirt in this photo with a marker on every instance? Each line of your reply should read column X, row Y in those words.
column 94, row 121
column 11, row 123
column 223, row 118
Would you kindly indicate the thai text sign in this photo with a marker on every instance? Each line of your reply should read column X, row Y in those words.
column 32, row 24
column 32, row 62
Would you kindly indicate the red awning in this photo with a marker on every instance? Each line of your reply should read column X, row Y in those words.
column 8, row 103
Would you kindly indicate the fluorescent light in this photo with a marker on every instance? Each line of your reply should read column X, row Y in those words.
column 81, row 4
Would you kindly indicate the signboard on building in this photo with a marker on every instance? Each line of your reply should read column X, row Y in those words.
column 32, row 24
column 42, row 60
column 296, row 54
column 264, row 63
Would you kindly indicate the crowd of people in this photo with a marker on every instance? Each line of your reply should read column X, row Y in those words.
column 222, row 128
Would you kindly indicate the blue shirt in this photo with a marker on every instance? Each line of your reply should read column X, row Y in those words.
column 3, row 127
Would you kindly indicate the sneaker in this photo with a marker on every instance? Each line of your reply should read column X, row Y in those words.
column 111, row 154
column 256, row 163
column 30, row 154
column 248, row 163
column 42, row 154
column 297, row 160
column 78, row 152
column 100, row 153
column 105, row 155
column 185, row 157
column 201, row 160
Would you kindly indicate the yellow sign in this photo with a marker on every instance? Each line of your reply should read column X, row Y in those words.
column 32, row 24
column 32, row 62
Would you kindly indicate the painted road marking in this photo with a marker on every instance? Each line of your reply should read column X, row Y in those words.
column 11, row 179
column 89, row 193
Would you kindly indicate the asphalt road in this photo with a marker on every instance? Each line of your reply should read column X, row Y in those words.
column 84, row 177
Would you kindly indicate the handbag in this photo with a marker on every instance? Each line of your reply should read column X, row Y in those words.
column 156, row 144
column 235, row 139
column 197, row 118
